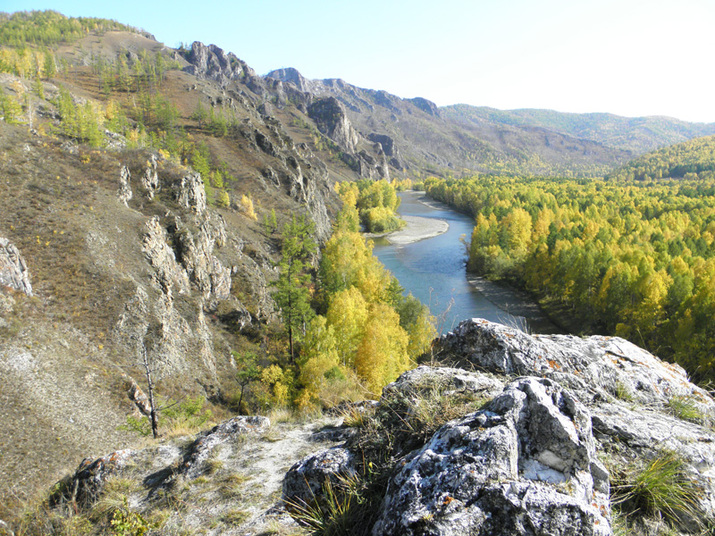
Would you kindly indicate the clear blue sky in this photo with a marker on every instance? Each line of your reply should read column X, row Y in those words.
column 628, row 57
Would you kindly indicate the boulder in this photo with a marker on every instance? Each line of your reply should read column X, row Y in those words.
column 199, row 451
column 596, row 367
column 86, row 485
column 525, row 464
column 415, row 384
column 305, row 482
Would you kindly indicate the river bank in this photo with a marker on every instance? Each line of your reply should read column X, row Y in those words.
column 417, row 228
column 429, row 260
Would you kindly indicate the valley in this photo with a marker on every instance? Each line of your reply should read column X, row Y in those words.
column 182, row 236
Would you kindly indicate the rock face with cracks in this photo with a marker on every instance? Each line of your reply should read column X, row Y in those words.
column 525, row 464
column 14, row 272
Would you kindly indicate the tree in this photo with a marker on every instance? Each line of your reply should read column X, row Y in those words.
column 149, row 372
column 293, row 287
column 382, row 354
column 248, row 372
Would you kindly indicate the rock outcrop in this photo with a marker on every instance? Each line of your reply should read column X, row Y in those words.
column 425, row 105
column 14, row 272
column 563, row 412
column 525, row 464
column 332, row 120
column 596, row 367
column 308, row 478
column 213, row 63
column 125, row 190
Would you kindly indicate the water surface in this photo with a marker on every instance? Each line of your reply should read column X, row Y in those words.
column 434, row 271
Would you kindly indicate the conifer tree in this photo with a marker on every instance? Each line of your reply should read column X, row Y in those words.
column 293, row 287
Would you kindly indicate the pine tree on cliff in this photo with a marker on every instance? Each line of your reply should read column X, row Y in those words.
column 293, row 287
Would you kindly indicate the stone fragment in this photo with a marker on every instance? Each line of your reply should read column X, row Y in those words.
column 14, row 272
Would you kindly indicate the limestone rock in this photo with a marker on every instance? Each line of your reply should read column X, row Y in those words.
column 304, row 483
column 161, row 256
column 125, row 188
column 14, row 272
column 138, row 396
column 631, row 394
column 190, row 193
column 416, row 383
column 200, row 450
column 524, row 464
column 294, row 77
column 213, row 63
column 196, row 254
column 150, row 179
column 388, row 146
column 594, row 366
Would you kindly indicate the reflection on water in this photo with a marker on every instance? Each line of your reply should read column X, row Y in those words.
column 434, row 271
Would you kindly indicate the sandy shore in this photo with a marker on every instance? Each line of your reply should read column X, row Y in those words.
column 417, row 228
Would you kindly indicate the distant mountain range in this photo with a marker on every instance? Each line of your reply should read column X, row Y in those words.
column 463, row 138
column 636, row 134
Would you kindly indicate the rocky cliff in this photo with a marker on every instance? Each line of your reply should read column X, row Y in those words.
column 107, row 254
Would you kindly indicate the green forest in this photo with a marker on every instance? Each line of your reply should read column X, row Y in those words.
column 628, row 258
column 693, row 159
column 50, row 28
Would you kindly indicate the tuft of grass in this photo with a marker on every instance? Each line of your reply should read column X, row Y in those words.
column 233, row 486
column 235, row 517
column 213, row 466
column 687, row 409
column 623, row 392
column 335, row 512
column 660, row 488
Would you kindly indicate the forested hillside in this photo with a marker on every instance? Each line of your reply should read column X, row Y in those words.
column 691, row 159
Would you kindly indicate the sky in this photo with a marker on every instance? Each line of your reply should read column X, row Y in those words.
column 626, row 57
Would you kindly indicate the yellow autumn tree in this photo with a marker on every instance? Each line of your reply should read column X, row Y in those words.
column 382, row 354
column 348, row 313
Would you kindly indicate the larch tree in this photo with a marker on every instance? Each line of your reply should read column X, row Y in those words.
column 294, row 284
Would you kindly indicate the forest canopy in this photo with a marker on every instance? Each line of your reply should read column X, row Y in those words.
column 633, row 258
column 49, row 28
column 692, row 159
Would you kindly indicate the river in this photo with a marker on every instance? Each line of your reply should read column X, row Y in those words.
column 434, row 271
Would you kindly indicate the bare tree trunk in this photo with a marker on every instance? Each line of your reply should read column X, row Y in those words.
column 150, row 388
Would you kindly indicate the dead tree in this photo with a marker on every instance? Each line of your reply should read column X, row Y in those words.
column 149, row 371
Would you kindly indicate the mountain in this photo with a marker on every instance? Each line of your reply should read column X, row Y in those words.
column 635, row 134
column 425, row 139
